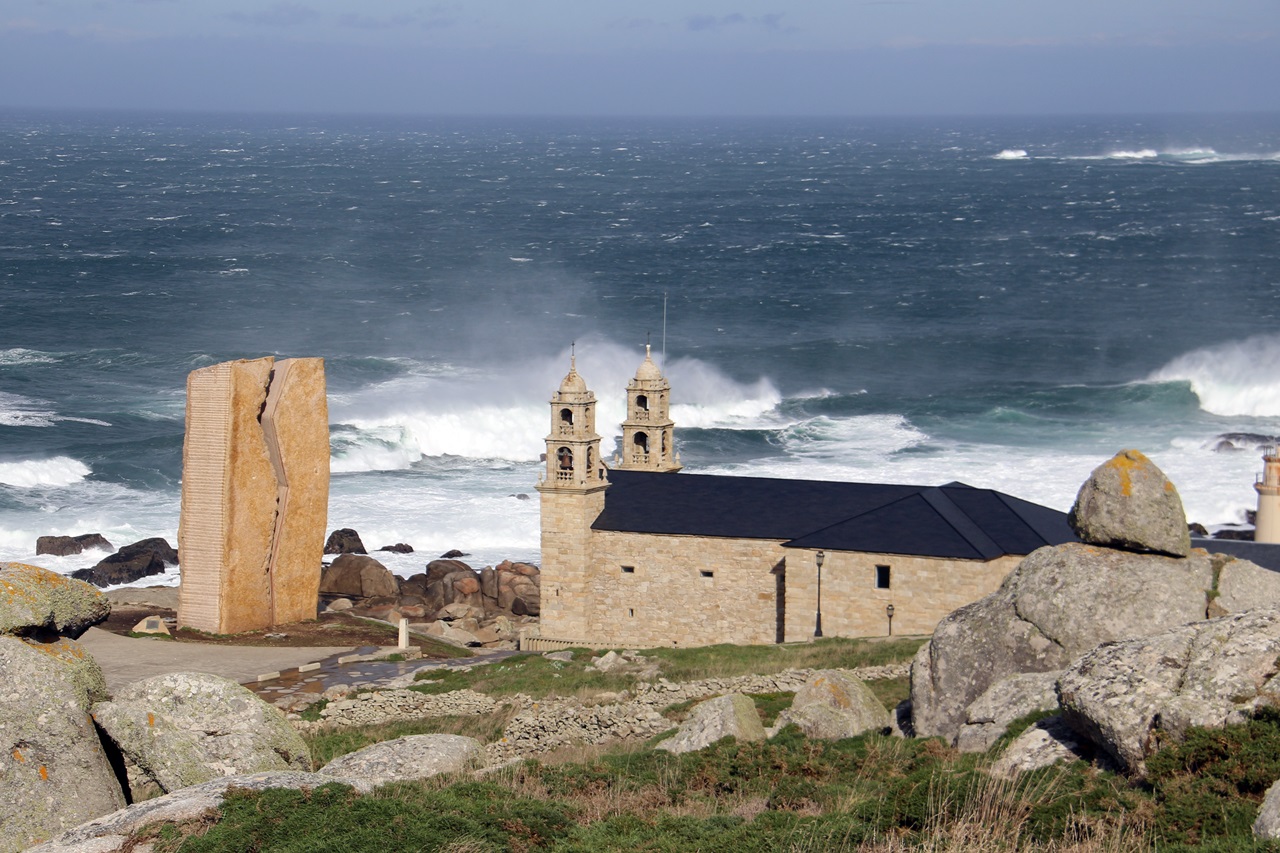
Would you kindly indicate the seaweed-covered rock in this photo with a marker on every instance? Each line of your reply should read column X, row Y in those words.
column 407, row 758
column 53, row 771
column 35, row 601
column 834, row 705
column 1128, row 503
column 185, row 728
column 733, row 715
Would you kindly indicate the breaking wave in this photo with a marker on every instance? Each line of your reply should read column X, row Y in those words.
column 1233, row 379
column 57, row 472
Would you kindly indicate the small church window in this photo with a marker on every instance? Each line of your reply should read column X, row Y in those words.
column 882, row 577
column 628, row 570
column 631, row 612
column 707, row 573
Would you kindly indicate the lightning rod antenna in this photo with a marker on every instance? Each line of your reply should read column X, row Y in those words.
column 664, row 331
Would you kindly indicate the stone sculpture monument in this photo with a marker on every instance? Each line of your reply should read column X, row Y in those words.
column 255, row 494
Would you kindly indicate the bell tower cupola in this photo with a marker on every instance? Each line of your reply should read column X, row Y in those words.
column 573, row 447
column 648, row 433
column 1267, row 522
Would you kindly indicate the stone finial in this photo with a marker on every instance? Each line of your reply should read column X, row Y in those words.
column 1128, row 503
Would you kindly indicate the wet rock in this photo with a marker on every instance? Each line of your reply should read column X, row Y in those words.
column 64, row 546
column 344, row 540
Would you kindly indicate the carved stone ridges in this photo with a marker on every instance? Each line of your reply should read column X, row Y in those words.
column 255, row 490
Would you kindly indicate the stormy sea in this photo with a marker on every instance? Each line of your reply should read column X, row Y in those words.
column 1004, row 302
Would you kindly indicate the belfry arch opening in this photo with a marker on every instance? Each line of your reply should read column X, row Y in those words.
column 642, row 402
column 642, row 442
column 566, row 417
column 564, row 458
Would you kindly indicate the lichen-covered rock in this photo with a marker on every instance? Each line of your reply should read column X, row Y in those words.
column 733, row 716
column 1058, row 603
column 1243, row 585
column 833, row 705
column 358, row 576
column 1131, row 697
column 1047, row 742
column 1267, row 824
column 987, row 718
column 53, row 772
column 407, row 758
column 35, row 600
column 185, row 728
column 79, row 667
column 1128, row 503
column 112, row 832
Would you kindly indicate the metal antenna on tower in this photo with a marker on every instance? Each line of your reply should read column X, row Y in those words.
column 664, row 331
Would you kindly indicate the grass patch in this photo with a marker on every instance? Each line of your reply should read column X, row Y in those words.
column 727, row 661
column 327, row 744
column 138, row 635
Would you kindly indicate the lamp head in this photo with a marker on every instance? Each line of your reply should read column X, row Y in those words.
column 820, row 556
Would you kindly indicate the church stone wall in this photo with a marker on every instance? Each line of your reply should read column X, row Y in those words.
column 667, row 599
column 921, row 589
column 566, row 554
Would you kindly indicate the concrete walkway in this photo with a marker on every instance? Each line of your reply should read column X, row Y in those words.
column 126, row 659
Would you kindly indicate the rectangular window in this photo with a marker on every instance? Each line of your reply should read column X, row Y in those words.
column 882, row 577
column 628, row 570
column 707, row 573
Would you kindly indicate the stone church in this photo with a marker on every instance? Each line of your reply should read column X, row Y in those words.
column 636, row 554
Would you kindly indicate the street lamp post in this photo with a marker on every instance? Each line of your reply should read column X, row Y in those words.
column 888, row 611
column 817, row 629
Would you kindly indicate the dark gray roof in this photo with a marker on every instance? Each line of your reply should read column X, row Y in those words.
column 1264, row 554
column 954, row 521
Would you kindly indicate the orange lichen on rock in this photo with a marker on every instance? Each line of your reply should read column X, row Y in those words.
column 17, row 756
column 151, row 719
column 44, row 773
column 1124, row 464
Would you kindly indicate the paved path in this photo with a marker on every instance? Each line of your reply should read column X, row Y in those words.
column 126, row 659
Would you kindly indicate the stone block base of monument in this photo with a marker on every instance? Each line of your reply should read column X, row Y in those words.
column 255, row 493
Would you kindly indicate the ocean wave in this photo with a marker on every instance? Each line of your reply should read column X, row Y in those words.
column 1240, row 378
column 1190, row 155
column 19, row 411
column 1010, row 154
column 862, row 436
column 19, row 356
column 57, row 472
column 503, row 415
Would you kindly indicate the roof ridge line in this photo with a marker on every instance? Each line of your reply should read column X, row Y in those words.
column 945, row 507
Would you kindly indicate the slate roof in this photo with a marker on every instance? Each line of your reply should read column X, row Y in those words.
column 1265, row 554
column 952, row 521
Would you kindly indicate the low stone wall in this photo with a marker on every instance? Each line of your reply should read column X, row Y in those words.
column 545, row 725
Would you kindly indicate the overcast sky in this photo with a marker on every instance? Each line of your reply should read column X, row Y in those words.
column 656, row 57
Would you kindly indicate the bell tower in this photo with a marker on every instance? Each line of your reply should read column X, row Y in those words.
column 572, row 488
column 648, row 433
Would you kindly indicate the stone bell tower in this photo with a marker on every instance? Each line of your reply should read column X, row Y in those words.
column 648, row 433
column 572, row 487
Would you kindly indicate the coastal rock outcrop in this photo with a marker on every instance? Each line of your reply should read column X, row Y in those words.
column 139, row 560
column 65, row 546
column 1057, row 604
column 358, row 576
column 36, row 601
column 344, row 540
column 407, row 758
column 1131, row 697
column 186, row 728
column 988, row 716
column 1128, row 503
column 53, row 773
column 733, row 716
